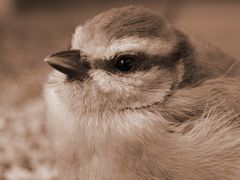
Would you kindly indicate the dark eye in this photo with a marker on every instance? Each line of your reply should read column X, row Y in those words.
column 125, row 64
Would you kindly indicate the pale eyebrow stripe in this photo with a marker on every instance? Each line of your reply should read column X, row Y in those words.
column 151, row 46
column 101, row 48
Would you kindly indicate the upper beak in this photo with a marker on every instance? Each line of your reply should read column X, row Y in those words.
column 69, row 63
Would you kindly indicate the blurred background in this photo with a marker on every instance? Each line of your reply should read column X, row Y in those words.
column 30, row 30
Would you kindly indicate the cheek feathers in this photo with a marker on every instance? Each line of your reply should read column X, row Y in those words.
column 110, row 82
column 154, row 80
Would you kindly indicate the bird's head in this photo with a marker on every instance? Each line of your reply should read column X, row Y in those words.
column 123, row 58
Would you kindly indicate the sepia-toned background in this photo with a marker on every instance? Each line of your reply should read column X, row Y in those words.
column 30, row 30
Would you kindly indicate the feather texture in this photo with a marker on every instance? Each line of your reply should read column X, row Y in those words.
column 175, row 117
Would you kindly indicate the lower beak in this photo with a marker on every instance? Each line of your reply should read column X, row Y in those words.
column 69, row 63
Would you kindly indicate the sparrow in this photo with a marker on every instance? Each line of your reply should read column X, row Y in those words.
column 135, row 98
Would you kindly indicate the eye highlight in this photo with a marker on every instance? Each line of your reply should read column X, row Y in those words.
column 125, row 64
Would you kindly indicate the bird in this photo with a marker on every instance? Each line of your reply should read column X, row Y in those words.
column 136, row 98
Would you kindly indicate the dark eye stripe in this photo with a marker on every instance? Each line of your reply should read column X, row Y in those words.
column 145, row 62
column 141, row 63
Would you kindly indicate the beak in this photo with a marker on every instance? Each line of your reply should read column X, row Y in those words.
column 69, row 63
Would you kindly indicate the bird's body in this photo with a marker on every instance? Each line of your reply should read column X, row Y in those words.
column 136, row 99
